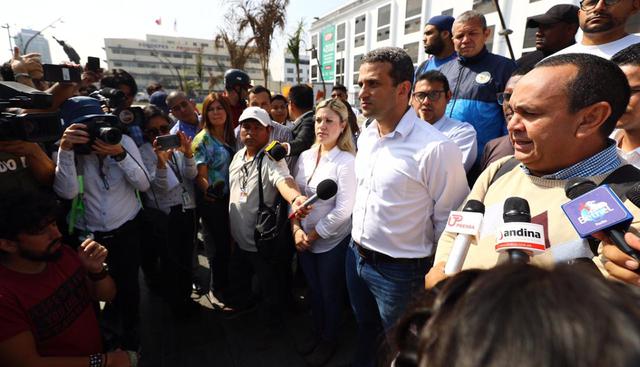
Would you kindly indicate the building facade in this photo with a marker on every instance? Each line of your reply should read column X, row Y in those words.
column 38, row 44
column 290, row 75
column 341, row 37
column 174, row 62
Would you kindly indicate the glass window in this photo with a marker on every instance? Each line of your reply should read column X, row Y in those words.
column 340, row 46
column 384, row 15
column 357, row 60
column 360, row 24
column 412, row 50
column 484, row 6
column 289, row 70
column 448, row 12
column 529, row 37
column 355, row 78
column 340, row 32
column 314, row 40
column 314, row 71
column 414, row 7
column 411, row 26
column 340, row 79
column 489, row 43
column 358, row 41
column 383, row 34
column 340, row 66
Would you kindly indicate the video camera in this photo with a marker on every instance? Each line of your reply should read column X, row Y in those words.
column 33, row 127
column 114, row 100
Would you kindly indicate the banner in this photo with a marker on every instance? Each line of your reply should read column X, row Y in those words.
column 328, row 52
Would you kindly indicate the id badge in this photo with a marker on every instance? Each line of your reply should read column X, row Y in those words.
column 186, row 200
column 243, row 197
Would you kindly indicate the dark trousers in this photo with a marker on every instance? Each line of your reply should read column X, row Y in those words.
column 176, row 258
column 325, row 275
column 215, row 219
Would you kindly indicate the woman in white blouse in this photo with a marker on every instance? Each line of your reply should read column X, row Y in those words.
column 322, row 237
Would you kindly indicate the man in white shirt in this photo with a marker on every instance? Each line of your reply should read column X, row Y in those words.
column 628, row 134
column 429, row 99
column 409, row 177
column 103, row 186
column 603, row 27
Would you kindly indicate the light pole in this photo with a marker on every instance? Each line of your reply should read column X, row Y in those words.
column 9, row 35
column 314, row 55
column 26, row 46
column 505, row 31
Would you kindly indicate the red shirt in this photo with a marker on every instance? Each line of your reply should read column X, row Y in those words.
column 54, row 305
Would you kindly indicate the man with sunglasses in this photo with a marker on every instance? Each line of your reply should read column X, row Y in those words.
column 185, row 112
column 603, row 26
column 236, row 88
column 429, row 99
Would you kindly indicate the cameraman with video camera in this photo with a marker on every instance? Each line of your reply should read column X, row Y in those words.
column 105, row 207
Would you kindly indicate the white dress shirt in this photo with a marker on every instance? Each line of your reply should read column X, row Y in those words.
column 464, row 135
column 330, row 218
column 408, row 182
column 166, row 188
column 632, row 157
column 606, row 50
column 109, row 198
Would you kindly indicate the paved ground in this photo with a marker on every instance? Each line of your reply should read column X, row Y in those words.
column 211, row 339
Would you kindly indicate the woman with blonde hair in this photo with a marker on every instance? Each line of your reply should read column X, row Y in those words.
column 322, row 237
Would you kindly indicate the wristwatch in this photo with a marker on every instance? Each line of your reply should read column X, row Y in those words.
column 101, row 274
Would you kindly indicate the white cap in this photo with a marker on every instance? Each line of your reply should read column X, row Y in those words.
column 255, row 113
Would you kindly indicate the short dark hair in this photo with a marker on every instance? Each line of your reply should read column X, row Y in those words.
column 401, row 63
column 26, row 211
column 435, row 76
column 279, row 97
column 260, row 89
column 153, row 87
column 628, row 56
column 301, row 96
column 340, row 87
column 522, row 70
column 597, row 80
column 552, row 320
column 151, row 111
column 116, row 77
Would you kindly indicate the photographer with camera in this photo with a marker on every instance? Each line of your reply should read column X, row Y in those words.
column 122, row 81
column 170, row 219
column 103, row 186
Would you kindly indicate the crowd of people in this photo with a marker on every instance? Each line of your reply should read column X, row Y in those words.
column 360, row 198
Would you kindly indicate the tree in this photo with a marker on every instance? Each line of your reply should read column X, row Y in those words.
column 238, row 45
column 263, row 18
column 293, row 45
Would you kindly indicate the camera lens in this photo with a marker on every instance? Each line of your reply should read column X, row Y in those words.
column 110, row 135
column 126, row 116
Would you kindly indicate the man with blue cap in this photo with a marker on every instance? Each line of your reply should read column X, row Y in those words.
column 437, row 44
column 99, row 168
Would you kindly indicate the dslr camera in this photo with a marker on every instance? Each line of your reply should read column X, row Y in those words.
column 114, row 101
column 15, row 124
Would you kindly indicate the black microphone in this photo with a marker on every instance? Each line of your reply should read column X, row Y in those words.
column 326, row 190
column 579, row 186
column 516, row 210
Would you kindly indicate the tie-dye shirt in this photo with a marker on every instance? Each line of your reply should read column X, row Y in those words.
column 216, row 155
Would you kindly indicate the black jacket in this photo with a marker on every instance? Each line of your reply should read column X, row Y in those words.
column 303, row 134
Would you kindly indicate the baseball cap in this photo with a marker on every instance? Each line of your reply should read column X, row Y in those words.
column 559, row 13
column 255, row 113
column 442, row 22
column 78, row 109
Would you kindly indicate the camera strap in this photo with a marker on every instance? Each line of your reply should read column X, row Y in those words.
column 77, row 205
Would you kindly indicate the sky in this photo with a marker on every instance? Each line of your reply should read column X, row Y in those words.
column 84, row 26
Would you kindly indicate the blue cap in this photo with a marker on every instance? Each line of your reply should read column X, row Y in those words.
column 442, row 22
column 159, row 99
column 77, row 109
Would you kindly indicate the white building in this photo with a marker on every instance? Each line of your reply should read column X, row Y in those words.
column 345, row 34
column 38, row 44
column 290, row 76
column 173, row 61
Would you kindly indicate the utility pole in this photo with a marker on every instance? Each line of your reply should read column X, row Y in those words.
column 9, row 35
column 26, row 46
column 505, row 32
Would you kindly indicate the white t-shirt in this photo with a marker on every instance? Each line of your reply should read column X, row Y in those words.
column 606, row 50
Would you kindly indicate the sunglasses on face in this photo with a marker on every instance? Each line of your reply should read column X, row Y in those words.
column 180, row 106
column 590, row 4
column 162, row 130
column 503, row 97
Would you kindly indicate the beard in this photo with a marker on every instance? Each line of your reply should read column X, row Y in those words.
column 434, row 48
column 46, row 256
column 600, row 27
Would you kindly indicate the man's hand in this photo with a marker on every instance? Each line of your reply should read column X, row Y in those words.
column 92, row 255
column 102, row 148
column 301, row 241
column 620, row 265
column 435, row 275
column 298, row 208
column 74, row 134
column 118, row 358
column 28, row 64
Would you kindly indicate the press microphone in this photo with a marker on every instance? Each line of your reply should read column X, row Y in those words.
column 597, row 208
column 518, row 236
column 326, row 190
column 467, row 225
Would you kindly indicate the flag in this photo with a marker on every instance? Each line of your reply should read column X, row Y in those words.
column 175, row 25
column 158, row 21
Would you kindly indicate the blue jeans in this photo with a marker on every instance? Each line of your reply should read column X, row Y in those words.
column 379, row 293
column 325, row 275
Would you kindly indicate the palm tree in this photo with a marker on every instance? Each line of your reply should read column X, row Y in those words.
column 238, row 46
column 263, row 18
column 293, row 45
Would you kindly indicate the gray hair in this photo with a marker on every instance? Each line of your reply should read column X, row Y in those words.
column 470, row 15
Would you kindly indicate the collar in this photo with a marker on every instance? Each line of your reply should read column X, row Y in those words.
column 473, row 59
column 302, row 116
column 440, row 123
column 617, row 136
column 403, row 128
column 600, row 163
column 332, row 154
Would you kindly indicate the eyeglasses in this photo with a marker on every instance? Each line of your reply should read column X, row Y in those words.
column 590, row 4
column 180, row 106
column 503, row 97
column 161, row 130
column 434, row 96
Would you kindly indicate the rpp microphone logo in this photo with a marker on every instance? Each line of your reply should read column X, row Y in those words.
column 454, row 219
